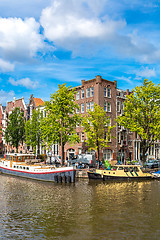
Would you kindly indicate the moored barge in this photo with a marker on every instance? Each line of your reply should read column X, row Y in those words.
column 25, row 165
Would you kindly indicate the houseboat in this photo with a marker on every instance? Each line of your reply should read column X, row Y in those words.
column 120, row 172
column 25, row 165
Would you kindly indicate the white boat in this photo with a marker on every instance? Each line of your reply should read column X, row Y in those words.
column 156, row 174
column 25, row 165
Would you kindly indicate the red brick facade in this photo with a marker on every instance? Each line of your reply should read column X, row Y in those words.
column 105, row 94
column 19, row 103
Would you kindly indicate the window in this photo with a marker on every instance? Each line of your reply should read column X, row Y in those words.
column 92, row 106
column 105, row 92
column 82, row 93
column 87, row 92
column 92, row 91
column 109, row 93
column 109, row 107
column 77, row 95
column 87, row 106
column 122, row 105
column 105, row 106
column 82, row 137
column 118, row 106
column 82, row 108
column 107, row 155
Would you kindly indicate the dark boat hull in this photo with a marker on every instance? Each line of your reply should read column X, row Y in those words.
column 55, row 176
column 106, row 178
column 93, row 175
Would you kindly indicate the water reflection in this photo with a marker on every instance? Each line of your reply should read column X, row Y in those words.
column 84, row 210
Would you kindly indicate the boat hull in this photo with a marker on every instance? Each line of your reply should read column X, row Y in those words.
column 108, row 177
column 59, row 175
column 94, row 175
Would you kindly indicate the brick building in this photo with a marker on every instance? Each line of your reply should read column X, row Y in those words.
column 16, row 103
column 2, row 128
column 104, row 93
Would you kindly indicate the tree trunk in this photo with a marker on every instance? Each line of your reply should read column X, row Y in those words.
column 144, row 151
column 62, row 145
column 62, row 149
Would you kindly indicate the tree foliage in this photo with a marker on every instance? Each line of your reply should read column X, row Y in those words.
column 15, row 131
column 142, row 114
column 60, row 123
column 97, row 126
column 32, row 130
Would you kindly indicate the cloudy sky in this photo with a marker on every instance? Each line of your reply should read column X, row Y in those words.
column 44, row 43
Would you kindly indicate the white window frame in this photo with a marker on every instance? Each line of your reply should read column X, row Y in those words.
column 82, row 94
column 109, row 92
column 105, row 92
column 87, row 106
column 92, row 91
column 118, row 106
column 82, row 107
column 87, row 92
column 105, row 106
column 82, row 136
column 77, row 95
column 92, row 106
column 108, row 107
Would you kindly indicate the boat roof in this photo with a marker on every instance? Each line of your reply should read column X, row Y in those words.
column 128, row 165
column 19, row 154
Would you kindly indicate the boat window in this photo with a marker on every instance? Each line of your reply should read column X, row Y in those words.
column 126, row 169
column 24, row 168
column 8, row 157
column 20, row 159
column 21, row 167
column 120, row 168
column 17, row 167
column 14, row 166
column 27, row 168
column 136, row 169
column 14, row 158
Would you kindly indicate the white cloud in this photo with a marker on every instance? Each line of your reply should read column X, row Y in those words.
column 6, row 96
column 146, row 72
column 25, row 82
column 126, row 79
column 6, row 66
column 19, row 40
column 88, row 27
column 74, row 25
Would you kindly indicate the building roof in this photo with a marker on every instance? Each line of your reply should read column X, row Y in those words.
column 38, row 102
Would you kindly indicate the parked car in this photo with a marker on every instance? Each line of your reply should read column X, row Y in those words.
column 85, row 159
column 152, row 164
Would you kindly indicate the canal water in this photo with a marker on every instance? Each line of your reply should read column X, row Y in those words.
column 84, row 210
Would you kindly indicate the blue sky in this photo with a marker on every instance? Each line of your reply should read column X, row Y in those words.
column 46, row 43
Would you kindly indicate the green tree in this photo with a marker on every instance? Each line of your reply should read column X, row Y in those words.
column 60, row 123
column 32, row 131
column 97, row 126
column 142, row 114
column 15, row 131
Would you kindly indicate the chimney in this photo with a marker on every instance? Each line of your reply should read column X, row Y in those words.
column 115, row 83
column 82, row 82
column 98, row 78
